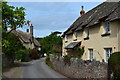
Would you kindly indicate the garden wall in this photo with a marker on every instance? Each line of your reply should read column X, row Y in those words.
column 78, row 68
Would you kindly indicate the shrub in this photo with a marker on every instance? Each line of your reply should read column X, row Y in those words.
column 114, row 63
column 11, row 46
column 48, row 62
column 23, row 54
column 34, row 54
column 67, row 59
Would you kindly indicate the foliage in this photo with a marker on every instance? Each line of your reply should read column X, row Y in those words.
column 12, row 47
column 77, row 52
column 51, row 44
column 34, row 54
column 23, row 54
column 67, row 59
column 12, row 17
column 114, row 63
column 48, row 62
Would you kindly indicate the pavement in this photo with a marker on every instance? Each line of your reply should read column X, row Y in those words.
column 38, row 69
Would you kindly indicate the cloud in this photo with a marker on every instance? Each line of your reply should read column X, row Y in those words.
column 48, row 17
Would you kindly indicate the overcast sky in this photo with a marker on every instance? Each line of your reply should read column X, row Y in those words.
column 48, row 17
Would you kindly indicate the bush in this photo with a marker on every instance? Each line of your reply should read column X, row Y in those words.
column 12, row 46
column 67, row 59
column 23, row 54
column 48, row 62
column 34, row 54
column 114, row 64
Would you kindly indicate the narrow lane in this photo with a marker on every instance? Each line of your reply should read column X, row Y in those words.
column 38, row 69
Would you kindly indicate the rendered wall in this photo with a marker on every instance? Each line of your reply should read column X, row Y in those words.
column 97, row 42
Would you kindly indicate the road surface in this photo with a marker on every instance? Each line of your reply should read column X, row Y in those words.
column 38, row 69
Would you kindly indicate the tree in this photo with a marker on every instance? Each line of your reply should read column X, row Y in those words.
column 51, row 44
column 13, row 48
column 12, row 17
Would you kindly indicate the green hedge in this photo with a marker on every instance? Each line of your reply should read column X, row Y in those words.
column 114, row 63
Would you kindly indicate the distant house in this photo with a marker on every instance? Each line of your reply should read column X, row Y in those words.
column 98, row 31
column 27, row 38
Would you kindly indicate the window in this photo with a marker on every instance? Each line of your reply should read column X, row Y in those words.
column 66, row 37
column 107, row 27
column 91, row 54
column 76, row 34
column 108, row 52
column 87, row 34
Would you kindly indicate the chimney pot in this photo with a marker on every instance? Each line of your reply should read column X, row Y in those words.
column 82, row 12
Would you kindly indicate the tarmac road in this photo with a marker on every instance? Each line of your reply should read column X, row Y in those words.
column 38, row 69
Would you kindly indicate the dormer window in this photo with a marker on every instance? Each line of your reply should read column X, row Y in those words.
column 66, row 38
column 87, row 34
column 107, row 27
column 75, row 35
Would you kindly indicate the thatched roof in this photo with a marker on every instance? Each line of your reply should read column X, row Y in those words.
column 25, row 37
column 105, row 11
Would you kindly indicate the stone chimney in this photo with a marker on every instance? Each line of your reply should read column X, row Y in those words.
column 31, row 30
column 82, row 12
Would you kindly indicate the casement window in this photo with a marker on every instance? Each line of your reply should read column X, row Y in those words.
column 107, row 27
column 87, row 34
column 75, row 35
column 66, row 37
column 91, row 54
column 108, row 52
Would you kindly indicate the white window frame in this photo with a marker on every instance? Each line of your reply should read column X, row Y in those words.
column 76, row 34
column 66, row 37
column 90, row 54
column 108, row 52
column 87, row 33
column 107, row 27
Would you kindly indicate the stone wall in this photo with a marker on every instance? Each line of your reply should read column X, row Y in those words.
column 5, row 61
column 77, row 68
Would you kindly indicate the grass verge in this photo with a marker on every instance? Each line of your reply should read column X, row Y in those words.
column 49, row 63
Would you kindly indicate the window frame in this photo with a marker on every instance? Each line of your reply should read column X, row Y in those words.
column 66, row 37
column 107, row 27
column 108, row 52
column 87, row 34
column 91, row 55
column 75, row 35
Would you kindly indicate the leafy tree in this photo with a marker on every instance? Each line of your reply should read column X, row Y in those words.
column 12, row 17
column 51, row 44
column 12, row 47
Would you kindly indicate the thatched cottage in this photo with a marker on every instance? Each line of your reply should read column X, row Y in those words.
column 97, row 30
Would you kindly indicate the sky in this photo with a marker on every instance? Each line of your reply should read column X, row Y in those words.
column 47, row 17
